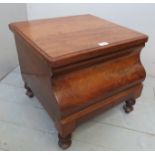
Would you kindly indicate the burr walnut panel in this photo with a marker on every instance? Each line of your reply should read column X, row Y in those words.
column 81, row 88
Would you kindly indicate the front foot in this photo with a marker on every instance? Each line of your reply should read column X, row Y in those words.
column 128, row 107
column 29, row 92
column 64, row 142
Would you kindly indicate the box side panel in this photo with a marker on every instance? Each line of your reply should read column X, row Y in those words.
column 37, row 75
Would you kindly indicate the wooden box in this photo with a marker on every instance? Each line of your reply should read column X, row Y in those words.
column 79, row 66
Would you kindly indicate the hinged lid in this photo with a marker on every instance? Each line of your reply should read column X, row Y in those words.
column 67, row 40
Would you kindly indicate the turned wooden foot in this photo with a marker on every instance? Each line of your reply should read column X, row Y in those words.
column 29, row 92
column 64, row 142
column 128, row 107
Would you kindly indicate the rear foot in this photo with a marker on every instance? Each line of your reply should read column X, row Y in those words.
column 29, row 92
column 128, row 107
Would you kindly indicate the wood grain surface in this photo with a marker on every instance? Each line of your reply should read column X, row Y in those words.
column 67, row 40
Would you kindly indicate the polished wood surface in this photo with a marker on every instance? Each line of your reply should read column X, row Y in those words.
column 67, row 40
column 73, row 77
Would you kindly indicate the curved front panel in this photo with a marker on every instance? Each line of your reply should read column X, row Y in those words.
column 85, row 86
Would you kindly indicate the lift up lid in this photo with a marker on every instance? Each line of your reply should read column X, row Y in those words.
column 66, row 40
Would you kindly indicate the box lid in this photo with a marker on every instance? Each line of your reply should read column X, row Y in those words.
column 66, row 40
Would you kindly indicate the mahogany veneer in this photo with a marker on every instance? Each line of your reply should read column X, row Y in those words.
column 79, row 66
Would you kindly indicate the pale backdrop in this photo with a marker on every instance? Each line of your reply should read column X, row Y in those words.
column 8, row 57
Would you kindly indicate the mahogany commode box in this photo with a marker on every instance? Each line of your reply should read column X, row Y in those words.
column 79, row 66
